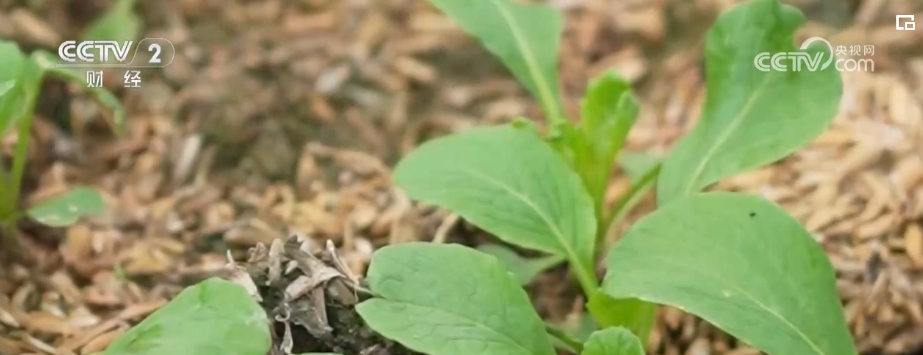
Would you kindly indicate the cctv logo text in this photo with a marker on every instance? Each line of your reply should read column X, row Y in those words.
column 798, row 61
column 91, row 51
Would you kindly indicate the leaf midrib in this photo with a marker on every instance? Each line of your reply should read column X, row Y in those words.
column 540, row 82
column 557, row 233
column 735, row 124
column 743, row 292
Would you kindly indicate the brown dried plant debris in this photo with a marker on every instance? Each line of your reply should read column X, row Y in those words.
column 310, row 294
column 280, row 117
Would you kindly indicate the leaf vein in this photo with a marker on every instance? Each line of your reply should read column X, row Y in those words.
column 746, row 294
column 558, row 234
column 736, row 122
column 540, row 82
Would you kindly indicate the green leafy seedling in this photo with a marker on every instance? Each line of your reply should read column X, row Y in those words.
column 21, row 77
column 735, row 260
column 214, row 317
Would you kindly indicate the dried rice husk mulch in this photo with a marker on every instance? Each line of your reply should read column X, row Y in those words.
column 272, row 90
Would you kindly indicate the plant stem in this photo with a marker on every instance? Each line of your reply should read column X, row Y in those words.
column 602, row 225
column 625, row 203
column 636, row 315
column 574, row 345
column 21, row 154
column 586, row 275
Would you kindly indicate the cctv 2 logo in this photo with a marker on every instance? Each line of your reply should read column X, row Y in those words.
column 160, row 53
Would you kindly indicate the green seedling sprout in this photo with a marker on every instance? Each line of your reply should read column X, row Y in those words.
column 21, row 77
column 736, row 260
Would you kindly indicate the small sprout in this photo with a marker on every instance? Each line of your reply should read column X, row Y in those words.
column 20, row 81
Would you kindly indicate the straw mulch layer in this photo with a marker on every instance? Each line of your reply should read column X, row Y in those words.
column 282, row 117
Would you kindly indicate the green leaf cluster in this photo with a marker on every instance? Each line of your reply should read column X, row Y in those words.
column 736, row 260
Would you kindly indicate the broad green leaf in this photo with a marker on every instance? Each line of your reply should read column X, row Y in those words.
column 525, row 269
column 119, row 23
column 12, row 58
column 214, row 317
column 105, row 98
column 67, row 208
column 443, row 299
column 524, row 37
column 608, row 111
column 510, row 183
column 6, row 86
column 613, row 341
column 742, row 264
column 751, row 118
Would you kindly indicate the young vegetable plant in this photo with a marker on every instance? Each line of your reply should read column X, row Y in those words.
column 735, row 260
column 20, row 81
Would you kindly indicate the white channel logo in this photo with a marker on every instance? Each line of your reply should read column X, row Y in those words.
column 798, row 61
column 906, row 25
column 148, row 53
